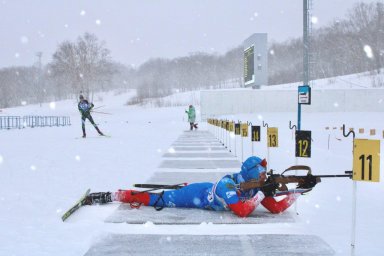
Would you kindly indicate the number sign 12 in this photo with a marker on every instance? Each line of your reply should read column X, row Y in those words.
column 303, row 143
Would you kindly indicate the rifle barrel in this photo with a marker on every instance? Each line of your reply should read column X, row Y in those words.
column 334, row 176
column 303, row 176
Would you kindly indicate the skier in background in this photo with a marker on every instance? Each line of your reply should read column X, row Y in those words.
column 191, row 117
column 223, row 195
column 85, row 109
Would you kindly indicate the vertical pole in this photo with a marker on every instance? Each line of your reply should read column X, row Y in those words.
column 222, row 136
column 296, row 163
column 305, row 55
column 226, row 137
column 252, row 147
column 217, row 129
column 235, row 146
column 306, row 42
column 353, row 235
column 229, row 138
column 242, row 158
column 298, row 116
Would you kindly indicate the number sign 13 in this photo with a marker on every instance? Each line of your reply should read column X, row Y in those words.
column 273, row 137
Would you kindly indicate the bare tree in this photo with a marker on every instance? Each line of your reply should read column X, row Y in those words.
column 84, row 66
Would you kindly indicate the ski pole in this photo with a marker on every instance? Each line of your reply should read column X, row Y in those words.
column 99, row 107
column 161, row 186
column 153, row 187
column 99, row 112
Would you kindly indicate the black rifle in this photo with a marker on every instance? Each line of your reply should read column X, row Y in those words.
column 274, row 182
column 278, row 182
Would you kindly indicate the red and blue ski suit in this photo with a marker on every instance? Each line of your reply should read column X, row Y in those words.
column 223, row 195
column 219, row 196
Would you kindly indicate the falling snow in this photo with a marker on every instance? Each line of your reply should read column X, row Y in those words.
column 368, row 51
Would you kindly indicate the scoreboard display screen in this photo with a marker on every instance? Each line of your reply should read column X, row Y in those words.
column 249, row 64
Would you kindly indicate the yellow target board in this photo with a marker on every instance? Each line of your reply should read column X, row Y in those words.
column 231, row 126
column 273, row 137
column 244, row 130
column 366, row 160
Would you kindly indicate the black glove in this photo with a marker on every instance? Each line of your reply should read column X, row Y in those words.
column 309, row 182
column 269, row 189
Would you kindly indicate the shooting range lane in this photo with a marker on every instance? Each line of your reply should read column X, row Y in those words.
column 199, row 146
column 198, row 155
column 193, row 161
column 187, row 167
column 199, row 149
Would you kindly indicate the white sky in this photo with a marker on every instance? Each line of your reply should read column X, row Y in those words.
column 136, row 30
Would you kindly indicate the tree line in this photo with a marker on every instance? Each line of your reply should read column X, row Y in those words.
column 351, row 45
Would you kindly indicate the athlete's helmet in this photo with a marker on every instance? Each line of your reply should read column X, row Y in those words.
column 81, row 97
column 252, row 167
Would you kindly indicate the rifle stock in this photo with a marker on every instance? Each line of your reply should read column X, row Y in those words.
column 251, row 185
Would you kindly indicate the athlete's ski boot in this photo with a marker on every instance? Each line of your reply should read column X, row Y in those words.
column 133, row 197
column 98, row 198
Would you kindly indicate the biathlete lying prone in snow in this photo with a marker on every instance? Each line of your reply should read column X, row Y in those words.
column 219, row 196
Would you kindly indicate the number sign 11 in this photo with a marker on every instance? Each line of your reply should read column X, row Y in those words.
column 366, row 160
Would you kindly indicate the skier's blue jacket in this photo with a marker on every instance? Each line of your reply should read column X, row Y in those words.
column 216, row 196
column 85, row 107
column 222, row 195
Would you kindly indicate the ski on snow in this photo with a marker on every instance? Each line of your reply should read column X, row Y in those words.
column 76, row 206
column 93, row 137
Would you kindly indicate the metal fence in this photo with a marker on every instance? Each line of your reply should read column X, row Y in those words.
column 18, row 122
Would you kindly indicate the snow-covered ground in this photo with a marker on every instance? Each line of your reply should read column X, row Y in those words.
column 43, row 171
